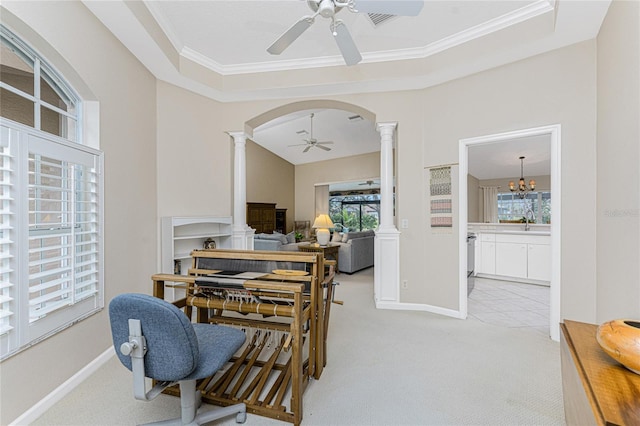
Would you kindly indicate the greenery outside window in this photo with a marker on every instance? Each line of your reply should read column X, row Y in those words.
column 536, row 206
column 356, row 212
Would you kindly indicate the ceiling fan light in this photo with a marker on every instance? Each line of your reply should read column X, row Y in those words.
column 512, row 185
column 326, row 8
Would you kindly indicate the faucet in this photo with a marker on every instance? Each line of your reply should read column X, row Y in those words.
column 528, row 210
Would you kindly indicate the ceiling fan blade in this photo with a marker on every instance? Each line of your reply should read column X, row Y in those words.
column 322, row 147
column 307, row 148
column 390, row 7
column 324, row 143
column 290, row 35
column 345, row 42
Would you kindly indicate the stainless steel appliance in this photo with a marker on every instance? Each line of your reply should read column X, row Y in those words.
column 471, row 253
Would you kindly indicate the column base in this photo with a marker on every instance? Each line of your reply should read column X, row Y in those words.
column 386, row 275
column 242, row 238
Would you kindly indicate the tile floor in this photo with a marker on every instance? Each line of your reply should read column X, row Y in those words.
column 510, row 304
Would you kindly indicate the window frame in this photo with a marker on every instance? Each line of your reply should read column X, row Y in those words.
column 349, row 200
column 537, row 208
column 82, row 142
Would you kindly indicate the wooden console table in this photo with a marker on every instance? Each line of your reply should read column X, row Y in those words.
column 331, row 250
column 597, row 389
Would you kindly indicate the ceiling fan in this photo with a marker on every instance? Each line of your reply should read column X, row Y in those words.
column 329, row 8
column 313, row 142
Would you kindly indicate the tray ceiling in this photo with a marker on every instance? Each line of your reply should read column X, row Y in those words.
column 218, row 49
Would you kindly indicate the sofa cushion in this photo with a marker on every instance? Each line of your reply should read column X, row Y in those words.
column 291, row 237
column 276, row 236
column 264, row 244
column 336, row 237
column 357, row 253
column 358, row 234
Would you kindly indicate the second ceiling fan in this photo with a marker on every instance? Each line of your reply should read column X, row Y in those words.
column 313, row 142
column 329, row 8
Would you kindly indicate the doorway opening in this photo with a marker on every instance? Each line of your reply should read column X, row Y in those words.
column 553, row 132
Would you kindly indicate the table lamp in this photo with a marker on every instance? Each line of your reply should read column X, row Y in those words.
column 322, row 224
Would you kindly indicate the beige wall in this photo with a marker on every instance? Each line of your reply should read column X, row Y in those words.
column 194, row 155
column 618, row 149
column 270, row 179
column 127, row 137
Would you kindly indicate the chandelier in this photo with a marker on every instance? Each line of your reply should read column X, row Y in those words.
column 521, row 189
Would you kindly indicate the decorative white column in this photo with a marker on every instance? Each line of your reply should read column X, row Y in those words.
column 386, row 276
column 242, row 234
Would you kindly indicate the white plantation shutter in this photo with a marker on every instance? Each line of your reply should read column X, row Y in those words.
column 59, row 238
column 7, row 247
column 63, row 232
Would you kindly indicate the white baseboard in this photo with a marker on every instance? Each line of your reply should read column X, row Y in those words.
column 419, row 307
column 61, row 391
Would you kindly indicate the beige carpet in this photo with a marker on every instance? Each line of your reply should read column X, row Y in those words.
column 384, row 368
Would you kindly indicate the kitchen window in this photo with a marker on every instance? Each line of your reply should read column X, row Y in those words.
column 536, row 206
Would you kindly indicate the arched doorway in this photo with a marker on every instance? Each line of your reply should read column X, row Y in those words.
column 386, row 275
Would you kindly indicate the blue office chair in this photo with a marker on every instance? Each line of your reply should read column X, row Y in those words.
column 155, row 339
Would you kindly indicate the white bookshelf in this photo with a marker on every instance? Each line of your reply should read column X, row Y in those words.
column 182, row 234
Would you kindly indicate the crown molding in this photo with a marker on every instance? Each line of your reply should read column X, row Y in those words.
column 517, row 16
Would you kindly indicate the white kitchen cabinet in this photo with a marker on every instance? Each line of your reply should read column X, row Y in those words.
column 539, row 262
column 511, row 259
column 517, row 256
column 487, row 254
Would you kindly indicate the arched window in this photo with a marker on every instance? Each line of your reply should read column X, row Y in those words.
column 50, row 202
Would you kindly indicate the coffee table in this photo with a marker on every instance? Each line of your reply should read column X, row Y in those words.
column 328, row 250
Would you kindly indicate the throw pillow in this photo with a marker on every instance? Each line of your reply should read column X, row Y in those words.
column 281, row 237
column 291, row 237
column 345, row 237
column 336, row 237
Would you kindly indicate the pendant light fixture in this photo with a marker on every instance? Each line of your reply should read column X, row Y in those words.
column 522, row 188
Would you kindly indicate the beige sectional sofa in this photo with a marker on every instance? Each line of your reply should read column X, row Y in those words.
column 355, row 252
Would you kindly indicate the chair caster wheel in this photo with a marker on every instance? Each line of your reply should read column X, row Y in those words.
column 241, row 418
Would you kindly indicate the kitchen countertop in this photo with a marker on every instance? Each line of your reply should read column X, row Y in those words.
column 509, row 228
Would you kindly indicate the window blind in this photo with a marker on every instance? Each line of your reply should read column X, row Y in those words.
column 50, row 235
column 63, row 228
column 6, row 236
